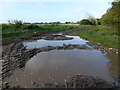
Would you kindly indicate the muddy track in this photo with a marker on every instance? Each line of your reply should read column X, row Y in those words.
column 39, row 35
column 15, row 55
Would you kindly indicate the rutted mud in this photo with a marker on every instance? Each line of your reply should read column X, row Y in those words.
column 57, row 37
column 16, row 55
column 57, row 69
column 75, row 40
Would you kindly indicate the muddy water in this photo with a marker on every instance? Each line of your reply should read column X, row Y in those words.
column 42, row 43
column 58, row 66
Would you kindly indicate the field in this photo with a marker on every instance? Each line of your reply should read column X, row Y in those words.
column 11, row 32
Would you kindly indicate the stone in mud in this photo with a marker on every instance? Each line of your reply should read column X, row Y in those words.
column 65, row 46
column 102, row 48
column 84, row 46
column 33, row 82
column 51, row 47
column 5, row 85
column 110, row 49
column 70, row 46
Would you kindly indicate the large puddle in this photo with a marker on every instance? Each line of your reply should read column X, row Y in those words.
column 42, row 43
column 58, row 66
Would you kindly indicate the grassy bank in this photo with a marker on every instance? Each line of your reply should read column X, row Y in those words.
column 11, row 32
column 105, row 35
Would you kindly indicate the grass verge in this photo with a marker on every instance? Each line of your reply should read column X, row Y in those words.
column 105, row 35
column 10, row 32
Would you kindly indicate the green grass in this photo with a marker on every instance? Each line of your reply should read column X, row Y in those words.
column 102, row 34
column 105, row 35
column 10, row 32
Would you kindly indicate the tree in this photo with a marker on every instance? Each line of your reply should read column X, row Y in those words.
column 91, row 19
column 41, row 22
column 33, row 26
column 98, row 22
column 85, row 22
column 16, row 23
column 112, row 16
column 26, row 23
column 78, row 22
column 57, row 22
column 67, row 22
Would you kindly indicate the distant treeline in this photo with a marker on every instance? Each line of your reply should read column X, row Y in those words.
column 44, row 23
column 82, row 22
column 58, row 22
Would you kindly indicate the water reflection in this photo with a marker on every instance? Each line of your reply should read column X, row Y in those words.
column 60, row 65
column 113, row 64
column 42, row 43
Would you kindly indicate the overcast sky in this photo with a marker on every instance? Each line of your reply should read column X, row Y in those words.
column 51, row 10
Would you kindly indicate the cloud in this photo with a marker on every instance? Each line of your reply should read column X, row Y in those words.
column 104, row 8
column 41, row 5
column 80, row 9
column 0, row 11
column 101, row 8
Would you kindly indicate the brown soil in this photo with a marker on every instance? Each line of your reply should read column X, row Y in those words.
column 15, row 55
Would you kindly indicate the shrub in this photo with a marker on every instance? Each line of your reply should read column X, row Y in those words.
column 112, row 16
column 4, row 26
column 85, row 22
column 33, row 26
column 15, row 23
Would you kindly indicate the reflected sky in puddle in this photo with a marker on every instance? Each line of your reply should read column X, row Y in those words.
column 60, row 65
column 42, row 43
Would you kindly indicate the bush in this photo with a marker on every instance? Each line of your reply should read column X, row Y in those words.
column 16, row 23
column 71, row 27
column 33, row 26
column 85, row 22
column 112, row 16
column 4, row 26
